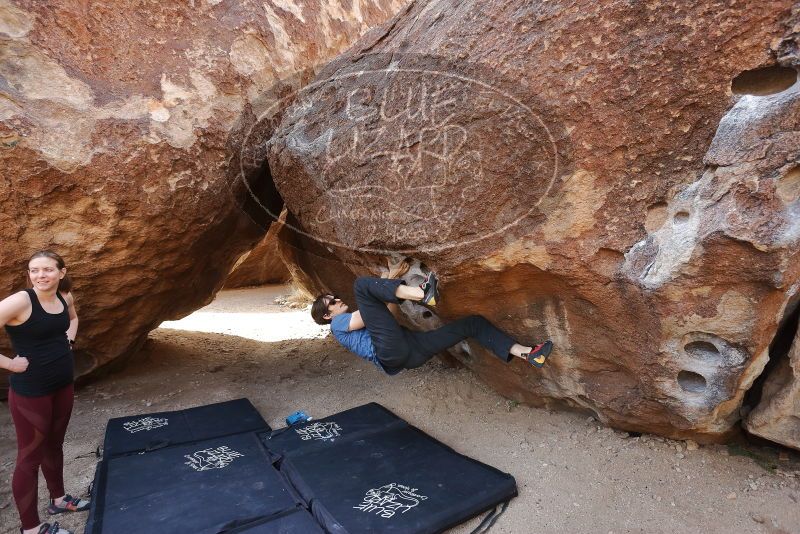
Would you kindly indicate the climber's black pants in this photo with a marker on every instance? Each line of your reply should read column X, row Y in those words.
column 399, row 348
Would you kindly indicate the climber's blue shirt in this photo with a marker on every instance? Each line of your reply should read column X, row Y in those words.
column 356, row 341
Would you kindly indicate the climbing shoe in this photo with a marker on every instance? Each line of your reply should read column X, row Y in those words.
column 431, row 288
column 69, row 504
column 539, row 354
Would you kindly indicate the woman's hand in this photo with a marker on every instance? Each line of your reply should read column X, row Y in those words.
column 18, row 364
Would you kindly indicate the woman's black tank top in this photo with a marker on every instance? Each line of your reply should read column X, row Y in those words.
column 43, row 340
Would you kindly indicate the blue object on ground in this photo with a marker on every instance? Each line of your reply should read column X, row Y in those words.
column 298, row 417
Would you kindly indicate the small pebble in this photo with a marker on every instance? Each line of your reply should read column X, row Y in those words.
column 732, row 495
column 691, row 445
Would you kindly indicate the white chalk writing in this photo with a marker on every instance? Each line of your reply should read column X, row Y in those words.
column 390, row 499
column 213, row 458
column 145, row 423
column 320, row 431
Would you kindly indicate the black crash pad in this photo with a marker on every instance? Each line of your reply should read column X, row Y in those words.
column 347, row 425
column 294, row 521
column 363, row 470
column 366, row 470
column 201, row 487
column 125, row 435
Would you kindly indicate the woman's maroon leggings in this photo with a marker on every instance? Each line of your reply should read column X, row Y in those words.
column 41, row 423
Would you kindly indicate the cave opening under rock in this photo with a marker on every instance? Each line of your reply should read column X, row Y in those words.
column 778, row 352
column 260, row 199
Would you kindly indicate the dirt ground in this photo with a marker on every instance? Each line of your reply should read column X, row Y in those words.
column 574, row 475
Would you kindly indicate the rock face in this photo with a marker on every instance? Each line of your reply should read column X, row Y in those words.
column 621, row 178
column 777, row 415
column 123, row 139
column 262, row 265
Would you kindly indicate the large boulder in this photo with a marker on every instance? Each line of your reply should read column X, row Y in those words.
column 122, row 134
column 619, row 177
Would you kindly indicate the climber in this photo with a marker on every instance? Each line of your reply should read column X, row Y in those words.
column 374, row 334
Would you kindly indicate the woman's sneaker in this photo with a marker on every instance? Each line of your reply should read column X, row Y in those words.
column 47, row 528
column 539, row 354
column 69, row 504
column 431, row 288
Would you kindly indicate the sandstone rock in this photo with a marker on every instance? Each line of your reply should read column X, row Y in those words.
column 262, row 265
column 777, row 416
column 122, row 134
column 314, row 267
column 576, row 171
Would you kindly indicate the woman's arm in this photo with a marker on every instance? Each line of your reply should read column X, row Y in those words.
column 12, row 307
column 72, row 331
column 356, row 323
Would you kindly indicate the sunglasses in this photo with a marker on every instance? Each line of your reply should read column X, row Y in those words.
column 334, row 299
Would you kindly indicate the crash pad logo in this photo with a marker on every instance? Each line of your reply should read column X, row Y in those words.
column 213, row 458
column 390, row 499
column 320, row 431
column 145, row 423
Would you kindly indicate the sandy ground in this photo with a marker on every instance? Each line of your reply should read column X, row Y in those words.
column 574, row 475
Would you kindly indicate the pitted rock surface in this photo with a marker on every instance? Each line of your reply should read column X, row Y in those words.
column 121, row 129
column 579, row 171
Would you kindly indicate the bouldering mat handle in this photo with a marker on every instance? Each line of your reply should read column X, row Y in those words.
column 490, row 519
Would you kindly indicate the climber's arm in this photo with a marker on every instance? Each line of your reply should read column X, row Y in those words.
column 356, row 323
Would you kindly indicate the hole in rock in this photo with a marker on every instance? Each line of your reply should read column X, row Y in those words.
column 701, row 350
column 656, row 215
column 764, row 81
column 426, row 314
column 789, row 186
column 682, row 217
column 778, row 350
column 691, row 382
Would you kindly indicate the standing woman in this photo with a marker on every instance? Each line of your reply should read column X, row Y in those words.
column 42, row 323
